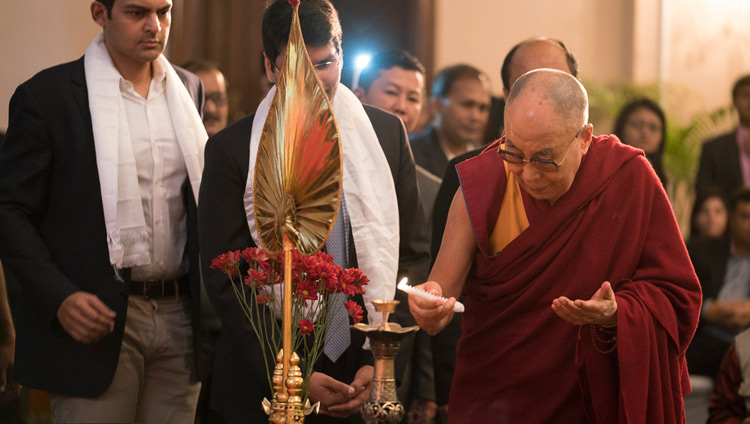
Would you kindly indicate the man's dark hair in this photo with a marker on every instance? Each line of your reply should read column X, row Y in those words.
column 505, row 70
column 318, row 19
column 200, row 65
column 386, row 60
column 445, row 79
column 742, row 82
column 741, row 195
column 108, row 5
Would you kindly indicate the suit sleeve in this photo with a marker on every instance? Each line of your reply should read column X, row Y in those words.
column 25, row 168
column 222, row 227
column 414, row 254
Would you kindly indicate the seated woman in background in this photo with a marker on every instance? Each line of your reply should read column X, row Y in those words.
column 710, row 215
column 641, row 124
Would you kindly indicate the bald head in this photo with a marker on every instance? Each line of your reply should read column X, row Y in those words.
column 536, row 53
column 546, row 115
column 558, row 89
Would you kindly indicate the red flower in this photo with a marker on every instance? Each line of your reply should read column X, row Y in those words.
column 261, row 299
column 323, row 257
column 306, row 326
column 328, row 274
column 355, row 311
column 255, row 255
column 255, row 278
column 308, row 289
column 351, row 281
column 228, row 262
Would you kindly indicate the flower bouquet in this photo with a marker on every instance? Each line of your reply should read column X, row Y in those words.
column 257, row 280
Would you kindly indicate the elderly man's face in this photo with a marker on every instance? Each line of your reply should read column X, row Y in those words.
column 533, row 129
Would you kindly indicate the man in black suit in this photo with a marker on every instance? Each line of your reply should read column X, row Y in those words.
column 342, row 383
column 461, row 102
column 530, row 54
column 98, row 187
column 725, row 160
column 723, row 269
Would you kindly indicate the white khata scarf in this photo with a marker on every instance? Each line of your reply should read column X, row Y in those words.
column 369, row 190
column 127, row 236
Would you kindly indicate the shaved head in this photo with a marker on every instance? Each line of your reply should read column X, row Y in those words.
column 567, row 95
column 536, row 53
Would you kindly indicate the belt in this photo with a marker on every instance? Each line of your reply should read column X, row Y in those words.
column 160, row 288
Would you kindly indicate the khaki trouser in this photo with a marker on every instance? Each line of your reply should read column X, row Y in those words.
column 155, row 381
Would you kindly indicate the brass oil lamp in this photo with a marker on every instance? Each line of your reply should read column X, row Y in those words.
column 383, row 405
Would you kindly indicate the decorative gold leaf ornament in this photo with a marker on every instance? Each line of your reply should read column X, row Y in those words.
column 298, row 167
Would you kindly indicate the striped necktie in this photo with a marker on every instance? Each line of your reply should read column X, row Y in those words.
column 337, row 335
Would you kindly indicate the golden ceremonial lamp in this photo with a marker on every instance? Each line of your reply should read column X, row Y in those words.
column 297, row 190
column 383, row 406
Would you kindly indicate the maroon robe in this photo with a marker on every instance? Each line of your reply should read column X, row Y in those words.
column 517, row 361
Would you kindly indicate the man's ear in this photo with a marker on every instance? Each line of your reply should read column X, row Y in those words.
column 586, row 136
column 437, row 105
column 99, row 13
column 361, row 94
column 270, row 74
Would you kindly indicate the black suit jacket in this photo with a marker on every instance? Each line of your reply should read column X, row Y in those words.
column 706, row 350
column 427, row 151
column 53, row 239
column 239, row 374
column 720, row 165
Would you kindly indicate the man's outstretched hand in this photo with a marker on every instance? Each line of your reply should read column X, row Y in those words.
column 601, row 309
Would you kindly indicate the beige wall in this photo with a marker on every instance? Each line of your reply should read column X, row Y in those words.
column 38, row 34
column 697, row 48
column 708, row 48
column 480, row 32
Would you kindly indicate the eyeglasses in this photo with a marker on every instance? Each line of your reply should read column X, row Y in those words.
column 217, row 97
column 323, row 67
column 544, row 165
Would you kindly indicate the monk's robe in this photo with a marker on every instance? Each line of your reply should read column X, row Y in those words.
column 517, row 361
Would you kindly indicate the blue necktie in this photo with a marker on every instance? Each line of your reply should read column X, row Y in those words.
column 337, row 335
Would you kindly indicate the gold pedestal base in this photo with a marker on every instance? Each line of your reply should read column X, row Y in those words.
column 286, row 406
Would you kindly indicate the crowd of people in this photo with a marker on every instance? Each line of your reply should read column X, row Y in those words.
column 121, row 179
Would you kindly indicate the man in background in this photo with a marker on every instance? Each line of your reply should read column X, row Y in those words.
column 216, row 105
column 725, row 160
column 461, row 103
column 394, row 81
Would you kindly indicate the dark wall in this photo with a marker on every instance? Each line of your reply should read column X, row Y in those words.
column 372, row 26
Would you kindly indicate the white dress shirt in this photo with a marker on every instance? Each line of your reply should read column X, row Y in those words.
column 161, row 175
